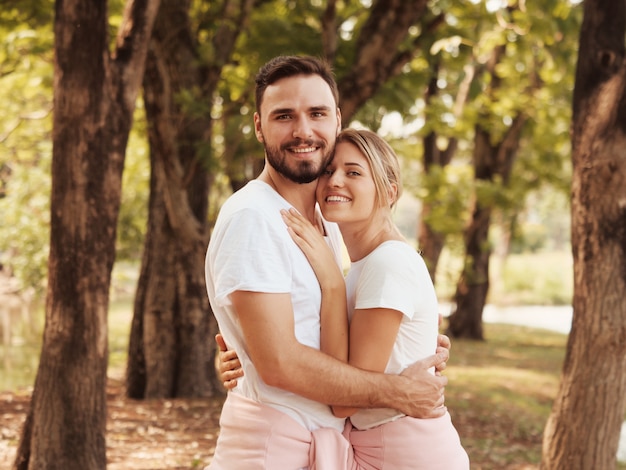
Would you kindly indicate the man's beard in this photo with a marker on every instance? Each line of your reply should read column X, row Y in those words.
column 301, row 172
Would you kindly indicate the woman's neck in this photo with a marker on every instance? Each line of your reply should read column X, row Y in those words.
column 363, row 238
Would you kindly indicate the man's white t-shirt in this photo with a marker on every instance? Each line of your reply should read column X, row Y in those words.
column 394, row 276
column 251, row 250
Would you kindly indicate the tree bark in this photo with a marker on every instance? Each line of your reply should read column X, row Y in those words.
column 171, row 349
column 491, row 162
column 386, row 28
column 430, row 241
column 94, row 98
column 584, row 426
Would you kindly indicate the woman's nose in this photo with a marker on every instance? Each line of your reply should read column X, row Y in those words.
column 335, row 179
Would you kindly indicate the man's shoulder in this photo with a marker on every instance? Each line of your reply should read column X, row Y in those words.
column 250, row 191
column 254, row 210
column 253, row 197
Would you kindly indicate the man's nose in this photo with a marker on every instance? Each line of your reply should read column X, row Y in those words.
column 302, row 129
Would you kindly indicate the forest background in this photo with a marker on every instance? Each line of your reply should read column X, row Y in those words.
column 475, row 96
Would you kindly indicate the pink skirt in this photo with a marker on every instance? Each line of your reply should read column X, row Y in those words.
column 409, row 444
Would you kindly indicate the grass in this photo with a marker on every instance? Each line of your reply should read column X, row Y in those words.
column 501, row 392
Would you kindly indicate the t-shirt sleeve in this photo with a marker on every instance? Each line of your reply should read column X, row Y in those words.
column 389, row 280
column 251, row 255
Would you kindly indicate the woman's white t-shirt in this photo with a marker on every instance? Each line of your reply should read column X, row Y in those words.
column 394, row 276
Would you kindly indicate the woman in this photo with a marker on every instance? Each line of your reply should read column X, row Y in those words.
column 392, row 305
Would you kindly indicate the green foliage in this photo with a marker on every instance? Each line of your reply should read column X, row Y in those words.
column 536, row 77
column 25, row 224
column 133, row 218
column 542, row 278
column 26, row 80
column 446, row 190
column 529, row 237
column 25, row 150
column 501, row 392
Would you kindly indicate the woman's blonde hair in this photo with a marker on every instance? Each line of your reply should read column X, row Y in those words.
column 383, row 162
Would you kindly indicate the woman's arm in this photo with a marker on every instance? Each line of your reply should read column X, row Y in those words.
column 373, row 333
column 333, row 312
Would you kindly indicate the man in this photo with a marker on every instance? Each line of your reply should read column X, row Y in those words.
column 266, row 297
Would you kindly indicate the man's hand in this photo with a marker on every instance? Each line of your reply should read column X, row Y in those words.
column 228, row 365
column 425, row 391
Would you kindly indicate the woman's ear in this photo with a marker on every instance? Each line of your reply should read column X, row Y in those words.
column 393, row 194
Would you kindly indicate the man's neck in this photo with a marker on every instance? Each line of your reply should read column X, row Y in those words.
column 300, row 196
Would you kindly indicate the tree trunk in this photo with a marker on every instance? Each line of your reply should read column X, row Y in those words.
column 94, row 98
column 491, row 162
column 473, row 286
column 431, row 241
column 171, row 350
column 386, row 29
column 584, row 426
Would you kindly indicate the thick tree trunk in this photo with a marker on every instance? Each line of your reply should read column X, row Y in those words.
column 93, row 107
column 171, row 350
column 473, row 286
column 584, row 426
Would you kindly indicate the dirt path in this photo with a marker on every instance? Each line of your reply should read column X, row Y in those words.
column 154, row 434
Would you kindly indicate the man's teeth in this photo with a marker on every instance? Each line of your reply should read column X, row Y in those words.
column 303, row 150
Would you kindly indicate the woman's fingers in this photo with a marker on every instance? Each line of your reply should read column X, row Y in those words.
column 228, row 361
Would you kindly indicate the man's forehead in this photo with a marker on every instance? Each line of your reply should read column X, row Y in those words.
column 308, row 91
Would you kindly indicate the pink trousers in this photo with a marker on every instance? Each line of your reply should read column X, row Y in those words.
column 254, row 436
column 409, row 444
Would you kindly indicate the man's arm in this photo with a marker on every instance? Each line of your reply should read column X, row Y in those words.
column 283, row 362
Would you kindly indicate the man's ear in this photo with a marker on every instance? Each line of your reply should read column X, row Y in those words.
column 257, row 127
